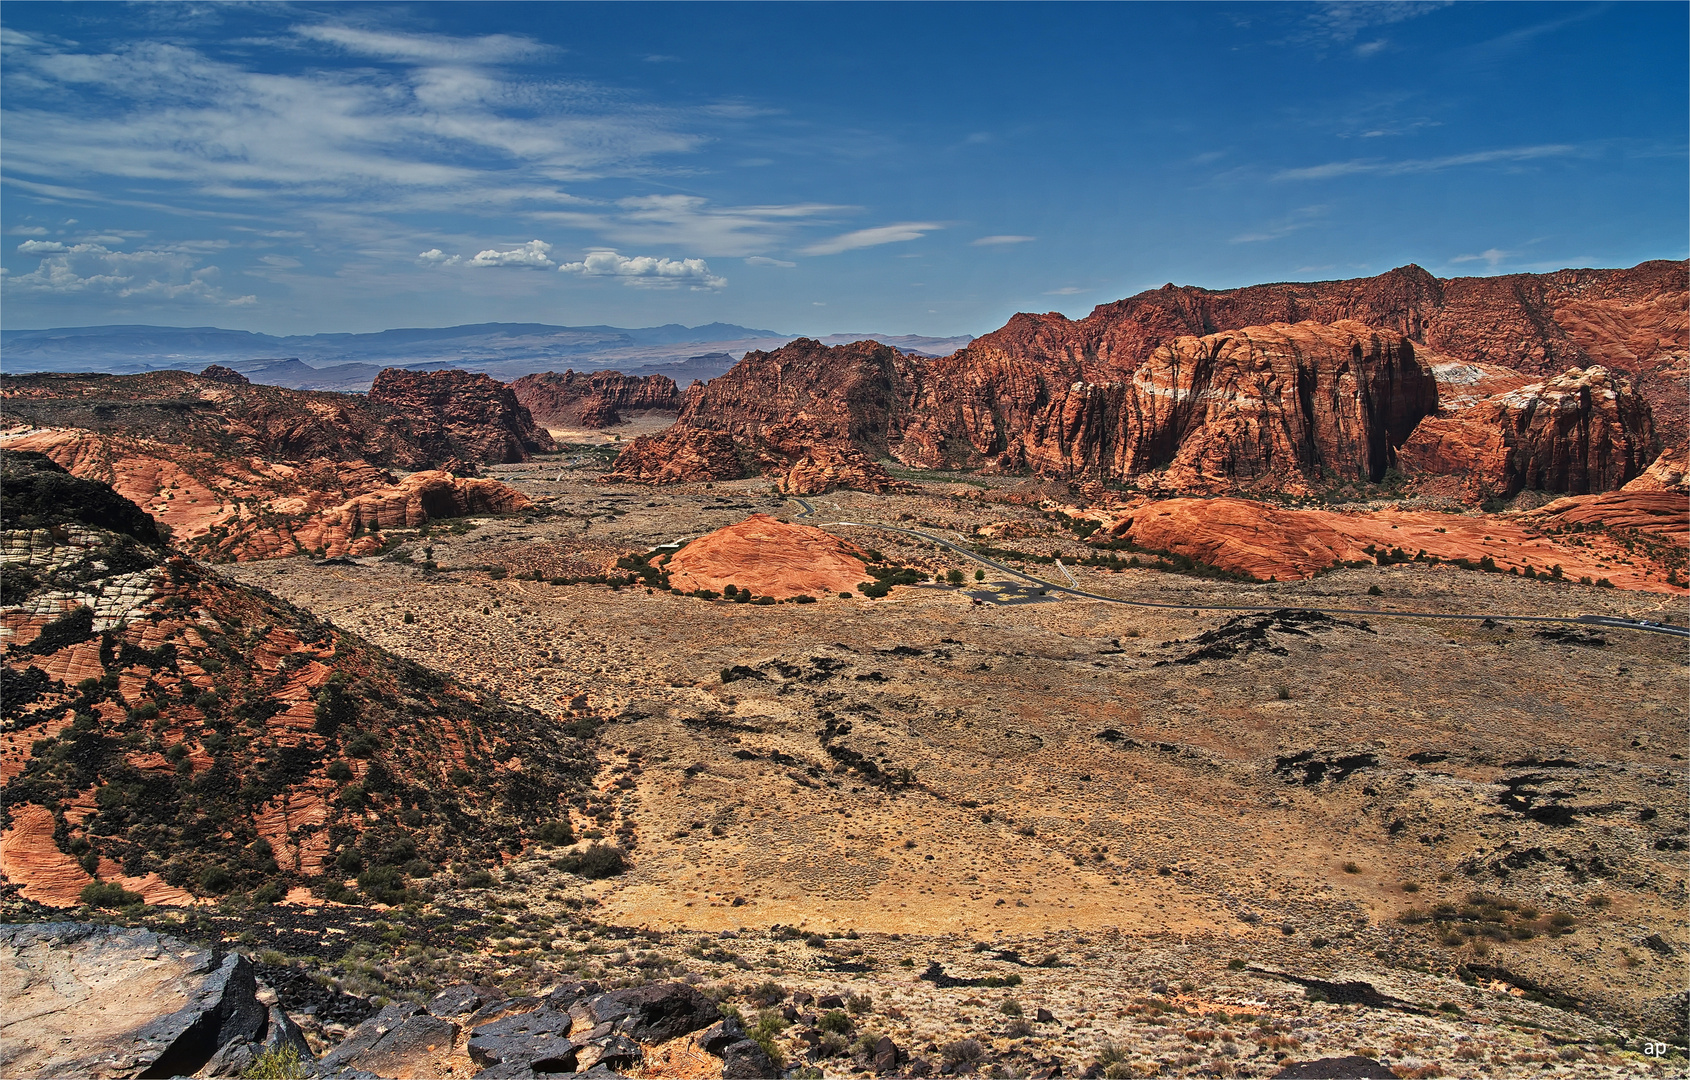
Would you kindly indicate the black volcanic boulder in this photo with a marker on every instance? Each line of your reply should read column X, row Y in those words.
column 536, row 1040
column 650, row 1013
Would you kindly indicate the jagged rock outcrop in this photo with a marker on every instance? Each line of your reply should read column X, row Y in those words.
column 1277, row 406
column 235, row 507
column 823, row 467
column 1579, row 432
column 597, row 399
column 106, row 1001
column 1656, row 503
column 177, row 735
column 677, row 456
column 461, row 415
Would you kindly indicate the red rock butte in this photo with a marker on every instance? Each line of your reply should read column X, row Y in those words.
column 770, row 558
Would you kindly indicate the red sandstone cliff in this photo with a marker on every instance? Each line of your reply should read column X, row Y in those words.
column 1264, row 406
column 1578, row 432
column 597, row 399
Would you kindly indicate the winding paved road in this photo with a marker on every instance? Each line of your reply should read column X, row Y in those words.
column 1607, row 621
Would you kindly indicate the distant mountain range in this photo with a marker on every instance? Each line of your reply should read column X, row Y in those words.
column 506, row 351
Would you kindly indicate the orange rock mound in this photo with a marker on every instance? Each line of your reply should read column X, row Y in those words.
column 1275, row 542
column 771, row 558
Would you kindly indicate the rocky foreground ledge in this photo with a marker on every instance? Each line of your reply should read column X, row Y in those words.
column 101, row 1001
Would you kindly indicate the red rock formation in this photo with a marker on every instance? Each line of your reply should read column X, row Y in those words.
column 823, row 467
column 301, row 694
column 678, row 456
column 771, row 558
column 461, row 414
column 418, row 421
column 1657, row 503
column 1633, row 320
column 241, row 508
column 851, row 395
column 1275, row 542
column 597, row 399
column 1578, row 432
column 1265, row 406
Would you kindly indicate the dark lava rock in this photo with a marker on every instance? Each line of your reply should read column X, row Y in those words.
column 650, row 1013
column 745, row 1060
column 399, row 1040
column 463, row 999
column 537, row 1040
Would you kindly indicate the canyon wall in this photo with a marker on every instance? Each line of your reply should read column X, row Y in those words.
column 597, row 399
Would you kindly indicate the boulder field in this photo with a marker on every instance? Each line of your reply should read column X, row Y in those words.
column 103, row 1001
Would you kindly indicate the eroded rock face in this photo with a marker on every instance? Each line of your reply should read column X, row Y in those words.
column 823, row 467
column 1276, row 406
column 597, row 399
column 102, row 1001
column 770, row 558
column 237, row 508
column 1578, row 432
column 418, row 421
column 679, row 455
column 460, row 414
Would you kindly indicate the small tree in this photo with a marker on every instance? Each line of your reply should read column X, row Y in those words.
column 979, row 575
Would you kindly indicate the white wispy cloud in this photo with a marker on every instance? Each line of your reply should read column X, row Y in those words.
column 534, row 255
column 693, row 223
column 880, row 234
column 1376, row 167
column 644, row 271
column 153, row 275
column 764, row 260
column 1295, row 221
column 994, row 241
column 1492, row 257
column 428, row 48
column 1066, row 290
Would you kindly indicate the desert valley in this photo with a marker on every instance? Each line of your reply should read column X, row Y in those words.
column 1283, row 681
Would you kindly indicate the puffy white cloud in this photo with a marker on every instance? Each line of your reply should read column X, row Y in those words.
column 995, row 241
column 644, row 271
column 530, row 256
column 42, row 247
column 94, row 268
column 880, row 234
column 436, row 257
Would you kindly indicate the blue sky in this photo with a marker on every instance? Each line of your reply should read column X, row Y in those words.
column 814, row 168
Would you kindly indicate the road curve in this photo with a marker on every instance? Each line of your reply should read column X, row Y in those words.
column 1608, row 621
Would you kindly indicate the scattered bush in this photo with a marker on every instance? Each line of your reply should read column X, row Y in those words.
column 963, row 1051
column 278, row 1062
column 108, row 894
column 555, row 832
column 338, row 771
column 836, row 1022
column 598, row 861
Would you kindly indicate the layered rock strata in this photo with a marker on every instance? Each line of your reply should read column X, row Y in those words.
column 594, row 400
column 770, row 558
column 461, row 415
column 1578, row 432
